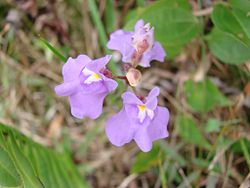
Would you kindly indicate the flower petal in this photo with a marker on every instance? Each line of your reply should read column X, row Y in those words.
column 97, row 64
column 156, row 53
column 139, row 24
column 86, row 105
column 73, row 67
column 122, row 41
column 158, row 127
column 130, row 98
column 152, row 98
column 118, row 129
column 142, row 139
column 68, row 88
column 110, row 83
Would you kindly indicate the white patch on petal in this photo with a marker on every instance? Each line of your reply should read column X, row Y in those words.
column 93, row 77
column 150, row 113
column 87, row 72
column 143, row 112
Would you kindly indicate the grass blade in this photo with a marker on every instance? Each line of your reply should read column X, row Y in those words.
column 55, row 51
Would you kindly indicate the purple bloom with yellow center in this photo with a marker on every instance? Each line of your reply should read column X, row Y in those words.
column 85, row 85
column 139, row 120
column 138, row 47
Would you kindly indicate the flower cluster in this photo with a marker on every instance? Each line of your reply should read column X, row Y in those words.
column 87, row 82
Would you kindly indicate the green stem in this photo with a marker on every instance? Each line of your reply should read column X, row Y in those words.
column 162, row 174
column 245, row 151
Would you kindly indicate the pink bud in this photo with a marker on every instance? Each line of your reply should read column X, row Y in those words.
column 134, row 76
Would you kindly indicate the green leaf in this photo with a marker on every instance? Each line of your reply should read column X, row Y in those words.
column 189, row 132
column 8, row 174
column 241, row 10
column 203, row 96
column 173, row 21
column 24, row 163
column 145, row 161
column 213, row 125
column 109, row 15
column 228, row 48
column 224, row 19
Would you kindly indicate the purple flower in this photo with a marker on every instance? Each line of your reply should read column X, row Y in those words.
column 137, row 47
column 85, row 85
column 144, row 122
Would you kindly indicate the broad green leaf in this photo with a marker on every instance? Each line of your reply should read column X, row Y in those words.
column 145, row 161
column 8, row 174
column 224, row 19
column 213, row 125
column 203, row 96
column 228, row 48
column 172, row 50
column 24, row 163
column 173, row 21
column 190, row 133
column 241, row 10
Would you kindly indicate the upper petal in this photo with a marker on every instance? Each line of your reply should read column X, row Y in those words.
column 156, row 53
column 73, row 67
column 86, row 105
column 158, row 127
column 122, row 41
column 152, row 98
column 130, row 98
column 118, row 129
column 97, row 64
column 139, row 24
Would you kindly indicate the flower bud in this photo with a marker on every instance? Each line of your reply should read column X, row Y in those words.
column 134, row 76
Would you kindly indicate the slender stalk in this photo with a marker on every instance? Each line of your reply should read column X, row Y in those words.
column 162, row 174
column 245, row 152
